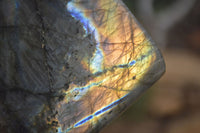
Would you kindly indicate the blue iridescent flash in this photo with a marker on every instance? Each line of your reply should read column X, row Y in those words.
column 101, row 111
column 97, row 60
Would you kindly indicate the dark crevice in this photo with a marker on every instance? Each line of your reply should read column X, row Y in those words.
column 43, row 45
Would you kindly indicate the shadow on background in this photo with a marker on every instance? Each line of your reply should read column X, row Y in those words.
column 172, row 105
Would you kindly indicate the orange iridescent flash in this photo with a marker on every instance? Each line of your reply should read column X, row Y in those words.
column 124, row 64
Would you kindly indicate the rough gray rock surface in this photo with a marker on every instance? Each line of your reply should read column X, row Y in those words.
column 41, row 46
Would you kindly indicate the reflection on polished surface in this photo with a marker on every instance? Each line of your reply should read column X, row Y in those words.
column 124, row 64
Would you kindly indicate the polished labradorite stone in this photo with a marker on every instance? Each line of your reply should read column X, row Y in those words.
column 71, row 66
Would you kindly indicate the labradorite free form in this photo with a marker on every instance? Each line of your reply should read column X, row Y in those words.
column 68, row 66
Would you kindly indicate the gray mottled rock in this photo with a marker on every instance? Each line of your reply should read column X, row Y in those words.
column 41, row 46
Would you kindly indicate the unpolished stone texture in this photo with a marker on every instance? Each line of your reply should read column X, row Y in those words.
column 41, row 46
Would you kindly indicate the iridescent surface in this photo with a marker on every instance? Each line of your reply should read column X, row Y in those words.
column 124, row 64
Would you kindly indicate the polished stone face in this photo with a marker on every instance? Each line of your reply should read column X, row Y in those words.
column 73, row 65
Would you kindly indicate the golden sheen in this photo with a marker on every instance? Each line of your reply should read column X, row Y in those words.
column 125, row 63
